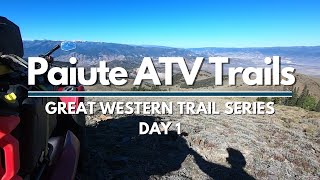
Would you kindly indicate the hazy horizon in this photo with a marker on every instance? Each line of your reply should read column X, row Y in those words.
column 155, row 45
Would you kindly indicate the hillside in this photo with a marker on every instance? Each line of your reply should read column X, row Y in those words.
column 285, row 144
column 205, row 82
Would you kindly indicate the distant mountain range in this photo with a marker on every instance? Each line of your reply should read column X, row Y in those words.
column 306, row 59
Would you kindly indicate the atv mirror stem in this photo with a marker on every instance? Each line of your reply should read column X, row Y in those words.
column 52, row 50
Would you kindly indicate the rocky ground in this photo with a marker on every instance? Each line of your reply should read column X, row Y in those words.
column 285, row 145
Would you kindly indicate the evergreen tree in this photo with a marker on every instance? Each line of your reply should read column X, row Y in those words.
column 292, row 101
column 303, row 96
column 309, row 103
column 318, row 107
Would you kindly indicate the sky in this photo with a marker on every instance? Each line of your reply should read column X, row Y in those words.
column 179, row 23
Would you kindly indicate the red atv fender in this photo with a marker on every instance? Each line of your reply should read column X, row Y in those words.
column 10, row 147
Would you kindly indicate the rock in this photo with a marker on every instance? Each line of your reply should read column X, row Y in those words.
column 91, row 122
column 103, row 117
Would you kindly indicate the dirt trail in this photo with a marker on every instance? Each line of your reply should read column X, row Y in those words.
column 284, row 145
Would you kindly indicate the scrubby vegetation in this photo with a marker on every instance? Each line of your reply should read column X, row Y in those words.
column 141, row 88
column 209, row 82
column 304, row 100
column 200, row 83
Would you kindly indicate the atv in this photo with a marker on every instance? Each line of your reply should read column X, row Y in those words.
column 33, row 143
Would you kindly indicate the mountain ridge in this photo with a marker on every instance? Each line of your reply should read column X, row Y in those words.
column 306, row 59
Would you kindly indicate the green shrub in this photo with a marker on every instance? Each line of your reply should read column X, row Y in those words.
column 309, row 103
column 263, row 99
column 140, row 88
column 276, row 100
column 304, row 101
column 155, row 88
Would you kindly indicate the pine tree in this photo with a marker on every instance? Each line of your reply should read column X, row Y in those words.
column 309, row 103
column 318, row 107
column 303, row 96
column 292, row 101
